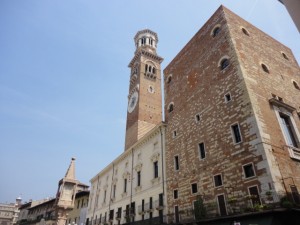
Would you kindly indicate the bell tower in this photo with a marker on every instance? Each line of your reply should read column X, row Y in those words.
column 144, row 110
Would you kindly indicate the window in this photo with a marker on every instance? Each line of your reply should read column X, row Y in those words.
column 174, row 133
column 216, row 31
column 175, row 194
column 143, row 41
column 139, row 178
column 296, row 85
column 197, row 117
column 171, row 107
column 194, row 188
column 237, row 138
column 265, row 68
column 284, row 55
column 155, row 167
column 114, row 190
column 176, row 162
column 288, row 130
column 249, row 170
column 169, row 79
column 111, row 214
column 253, row 192
column 224, row 64
column 227, row 97
column 245, row 31
column 218, row 180
column 201, row 150
column 125, row 185
column 104, row 198
column 295, row 194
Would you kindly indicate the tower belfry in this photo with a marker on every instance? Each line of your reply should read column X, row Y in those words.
column 144, row 110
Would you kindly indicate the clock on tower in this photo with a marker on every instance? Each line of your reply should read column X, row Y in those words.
column 144, row 110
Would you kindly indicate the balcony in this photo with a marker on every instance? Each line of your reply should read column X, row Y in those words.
column 158, row 205
column 140, row 210
column 118, row 215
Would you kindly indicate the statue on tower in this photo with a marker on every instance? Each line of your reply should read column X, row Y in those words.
column 66, row 192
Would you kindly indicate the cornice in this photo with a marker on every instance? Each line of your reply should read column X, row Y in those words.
column 145, row 53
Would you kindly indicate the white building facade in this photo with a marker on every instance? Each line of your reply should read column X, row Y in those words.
column 132, row 187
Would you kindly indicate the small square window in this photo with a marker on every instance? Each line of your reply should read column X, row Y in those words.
column 237, row 138
column 197, row 117
column 201, row 150
column 175, row 194
column 249, row 170
column 218, row 180
column 227, row 97
column 194, row 188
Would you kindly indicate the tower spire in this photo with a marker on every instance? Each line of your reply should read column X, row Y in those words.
column 70, row 174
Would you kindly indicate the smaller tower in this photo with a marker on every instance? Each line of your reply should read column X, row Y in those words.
column 65, row 196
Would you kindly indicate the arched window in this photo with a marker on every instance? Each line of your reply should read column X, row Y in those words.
column 171, row 107
column 265, row 68
column 284, row 55
column 216, row 31
column 224, row 63
column 296, row 85
column 153, row 70
column 169, row 79
column 143, row 40
column 146, row 68
column 245, row 31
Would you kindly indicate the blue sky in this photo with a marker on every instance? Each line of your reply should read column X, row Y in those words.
column 64, row 78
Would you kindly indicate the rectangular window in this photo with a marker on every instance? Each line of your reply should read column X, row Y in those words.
column 295, row 194
column 227, row 97
column 201, row 150
column 161, row 200
column 104, row 198
column 222, row 205
column 114, row 191
column 194, row 188
column 174, row 133
column 218, row 180
column 176, row 162
column 155, row 167
column 288, row 130
column 111, row 214
column 150, row 203
column 175, row 194
column 197, row 117
column 119, row 213
column 249, row 170
column 125, row 185
column 139, row 178
column 254, row 195
column 237, row 138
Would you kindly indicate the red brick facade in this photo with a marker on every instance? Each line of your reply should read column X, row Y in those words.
column 218, row 93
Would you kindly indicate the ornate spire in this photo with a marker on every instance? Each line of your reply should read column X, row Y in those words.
column 70, row 174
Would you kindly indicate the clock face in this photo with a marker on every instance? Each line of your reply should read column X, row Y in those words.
column 133, row 101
